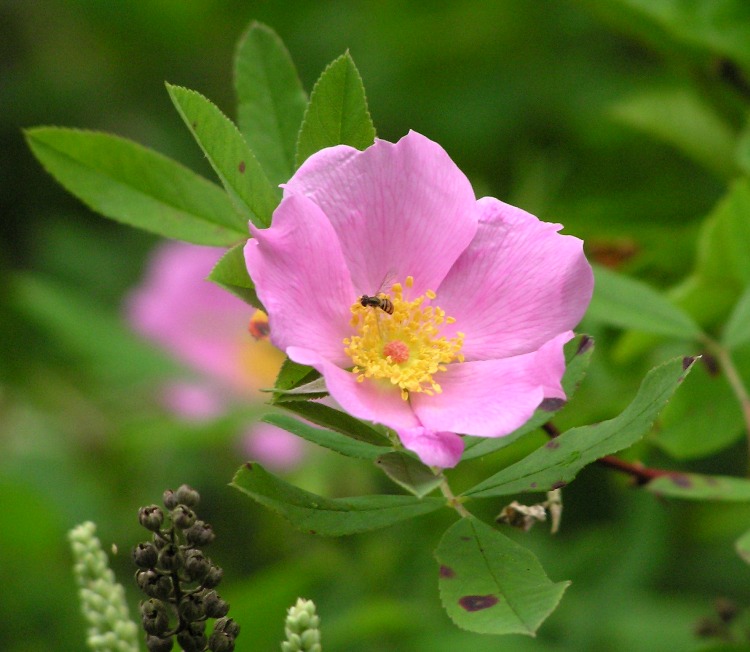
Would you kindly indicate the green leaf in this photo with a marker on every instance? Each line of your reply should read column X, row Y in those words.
column 631, row 304
column 293, row 374
column 328, row 516
column 742, row 546
column 679, row 117
column 491, row 585
column 737, row 329
column 137, row 186
column 724, row 241
column 229, row 155
column 271, row 100
column 701, row 419
column 693, row 486
column 557, row 462
column 337, row 113
column 577, row 357
column 720, row 27
column 327, row 438
column 409, row 473
column 231, row 274
column 297, row 382
column 336, row 420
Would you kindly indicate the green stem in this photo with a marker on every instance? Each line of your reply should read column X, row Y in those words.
column 454, row 502
column 735, row 382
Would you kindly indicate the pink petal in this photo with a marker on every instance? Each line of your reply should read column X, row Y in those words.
column 550, row 362
column 398, row 209
column 517, row 285
column 378, row 402
column 275, row 448
column 194, row 401
column 486, row 398
column 302, row 279
column 441, row 449
column 193, row 319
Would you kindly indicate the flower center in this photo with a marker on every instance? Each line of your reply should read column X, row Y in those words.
column 402, row 345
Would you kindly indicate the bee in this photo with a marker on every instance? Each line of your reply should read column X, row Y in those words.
column 384, row 303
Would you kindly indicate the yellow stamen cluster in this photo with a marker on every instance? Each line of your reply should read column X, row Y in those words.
column 411, row 334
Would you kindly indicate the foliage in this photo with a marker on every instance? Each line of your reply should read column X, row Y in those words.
column 662, row 172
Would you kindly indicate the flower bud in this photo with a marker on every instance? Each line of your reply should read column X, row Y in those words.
column 170, row 499
column 144, row 555
column 199, row 534
column 196, row 566
column 182, row 517
column 154, row 617
column 220, row 642
column 102, row 598
column 170, row 558
column 151, row 517
column 154, row 584
column 160, row 541
column 228, row 626
column 193, row 638
column 187, row 496
column 213, row 577
column 191, row 607
column 301, row 628
column 214, row 606
column 156, row 644
column 311, row 640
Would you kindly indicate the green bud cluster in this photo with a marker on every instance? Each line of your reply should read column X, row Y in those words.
column 102, row 598
column 179, row 580
column 301, row 628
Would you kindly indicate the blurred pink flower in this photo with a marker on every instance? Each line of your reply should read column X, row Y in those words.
column 275, row 448
column 198, row 322
column 194, row 401
column 208, row 329
column 425, row 309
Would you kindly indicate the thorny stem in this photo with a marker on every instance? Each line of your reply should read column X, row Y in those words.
column 735, row 382
column 453, row 502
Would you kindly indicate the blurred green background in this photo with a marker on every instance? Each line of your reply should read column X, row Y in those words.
column 617, row 118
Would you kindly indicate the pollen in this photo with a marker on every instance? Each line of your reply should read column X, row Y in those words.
column 404, row 348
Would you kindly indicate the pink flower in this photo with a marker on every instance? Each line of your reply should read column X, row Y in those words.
column 198, row 322
column 276, row 448
column 210, row 330
column 477, row 298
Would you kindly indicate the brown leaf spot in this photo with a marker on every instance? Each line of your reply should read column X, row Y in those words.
column 687, row 361
column 586, row 343
column 559, row 484
column 552, row 444
column 478, row 602
column 681, row 480
column 249, row 466
column 446, row 572
column 551, row 404
column 241, row 167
